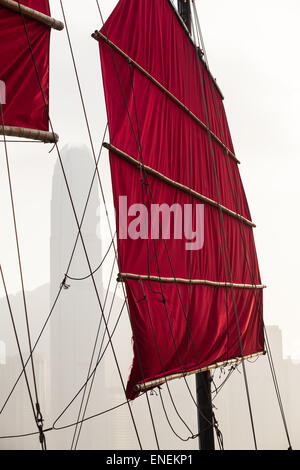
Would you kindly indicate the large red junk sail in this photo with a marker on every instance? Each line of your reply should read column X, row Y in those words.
column 194, row 302
column 24, row 65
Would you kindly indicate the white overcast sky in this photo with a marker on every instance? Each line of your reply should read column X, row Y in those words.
column 253, row 50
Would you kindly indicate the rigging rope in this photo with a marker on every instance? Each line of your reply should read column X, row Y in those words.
column 249, row 262
column 95, row 271
column 148, row 186
column 38, row 417
column 72, row 53
column 38, row 414
column 92, row 372
column 92, row 417
column 79, row 228
column 92, row 357
column 248, row 256
column 81, row 279
column 68, row 426
column 91, row 142
column 169, row 422
column 62, row 284
column 224, row 243
column 199, row 32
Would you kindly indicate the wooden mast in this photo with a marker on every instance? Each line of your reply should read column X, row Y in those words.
column 203, row 379
column 184, row 10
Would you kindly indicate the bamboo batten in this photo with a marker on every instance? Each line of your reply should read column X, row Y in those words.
column 199, row 282
column 22, row 132
column 33, row 14
column 177, row 185
column 158, row 382
column 99, row 36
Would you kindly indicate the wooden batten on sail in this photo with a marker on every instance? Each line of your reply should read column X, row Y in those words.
column 33, row 14
column 177, row 176
column 177, row 185
column 23, row 133
column 47, row 21
column 195, row 282
column 99, row 36
column 142, row 387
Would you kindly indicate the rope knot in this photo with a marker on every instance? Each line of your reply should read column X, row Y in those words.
column 40, row 425
column 64, row 284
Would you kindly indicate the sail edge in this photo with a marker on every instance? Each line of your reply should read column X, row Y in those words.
column 145, row 386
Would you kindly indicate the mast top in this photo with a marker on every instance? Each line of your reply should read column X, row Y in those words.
column 184, row 10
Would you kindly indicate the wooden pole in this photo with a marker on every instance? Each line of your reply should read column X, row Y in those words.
column 177, row 185
column 98, row 36
column 142, row 387
column 194, row 282
column 33, row 14
column 22, row 132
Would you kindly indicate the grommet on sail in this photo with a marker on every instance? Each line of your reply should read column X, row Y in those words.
column 25, row 28
column 192, row 308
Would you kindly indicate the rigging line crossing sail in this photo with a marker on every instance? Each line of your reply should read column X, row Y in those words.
column 25, row 104
column 180, row 186
column 99, row 36
column 231, row 362
column 152, row 37
column 38, row 423
column 32, row 13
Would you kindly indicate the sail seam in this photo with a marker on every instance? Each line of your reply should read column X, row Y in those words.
column 97, row 35
column 177, row 185
column 169, row 280
column 33, row 14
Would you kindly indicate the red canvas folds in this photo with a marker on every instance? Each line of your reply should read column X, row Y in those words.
column 39, row 5
column 25, row 105
column 177, row 327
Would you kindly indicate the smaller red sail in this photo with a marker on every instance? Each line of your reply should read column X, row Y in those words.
column 25, row 104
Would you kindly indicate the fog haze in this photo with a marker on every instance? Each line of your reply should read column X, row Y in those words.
column 253, row 51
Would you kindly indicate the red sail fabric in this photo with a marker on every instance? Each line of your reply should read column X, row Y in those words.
column 176, row 327
column 24, row 104
column 39, row 5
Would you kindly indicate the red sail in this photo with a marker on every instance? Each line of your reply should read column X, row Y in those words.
column 172, row 146
column 25, row 102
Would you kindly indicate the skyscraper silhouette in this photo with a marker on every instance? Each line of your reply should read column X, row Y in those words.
column 75, row 320
column 77, row 315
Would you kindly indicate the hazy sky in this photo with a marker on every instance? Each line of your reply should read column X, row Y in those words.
column 252, row 49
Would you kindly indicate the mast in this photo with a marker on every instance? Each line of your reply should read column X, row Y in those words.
column 184, row 10
column 205, row 411
column 203, row 379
